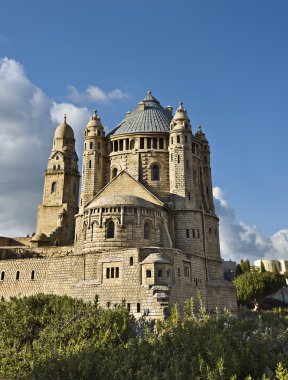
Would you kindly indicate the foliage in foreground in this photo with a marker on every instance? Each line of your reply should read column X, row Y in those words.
column 51, row 337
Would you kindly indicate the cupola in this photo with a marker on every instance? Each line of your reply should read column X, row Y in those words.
column 64, row 131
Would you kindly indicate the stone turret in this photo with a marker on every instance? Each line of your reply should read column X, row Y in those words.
column 207, row 194
column 180, row 173
column 61, row 189
column 93, row 175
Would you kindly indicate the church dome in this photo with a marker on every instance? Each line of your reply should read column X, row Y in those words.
column 149, row 116
column 64, row 131
column 94, row 121
column 121, row 200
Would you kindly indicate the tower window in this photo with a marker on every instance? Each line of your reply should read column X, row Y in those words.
column 116, row 146
column 210, row 231
column 128, row 306
column 179, row 272
column 90, row 164
column 110, row 229
column 178, row 139
column 2, row 276
column 131, row 262
column 186, row 139
column 132, row 144
column 107, row 272
column 53, row 187
column 161, row 143
column 54, row 167
column 121, row 145
column 205, row 159
column 189, row 196
column 148, row 273
column 17, row 275
column 117, row 272
column 187, row 234
column 193, row 148
column 187, row 164
column 146, row 230
column 58, row 167
column 171, row 157
column 159, row 273
column 33, row 275
column 112, row 272
column 155, row 172
column 57, row 157
column 178, row 159
column 141, row 142
column 99, row 145
column 138, row 308
column 91, row 145
column 171, row 140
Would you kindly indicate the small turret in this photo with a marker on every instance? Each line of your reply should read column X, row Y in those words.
column 93, row 159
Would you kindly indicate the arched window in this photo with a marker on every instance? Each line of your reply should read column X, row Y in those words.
column 114, row 172
column 132, row 144
column 147, row 230
column 155, row 172
column 57, row 157
column 33, row 275
column 17, row 275
column 53, row 187
column 110, row 229
column 59, row 167
column 54, row 167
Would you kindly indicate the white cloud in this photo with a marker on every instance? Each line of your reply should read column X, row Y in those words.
column 94, row 94
column 27, row 123
column 241, row 240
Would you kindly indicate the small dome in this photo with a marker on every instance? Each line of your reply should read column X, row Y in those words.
column 200, row 135
column 94, row 121
column 156, row 258
column 180, row 114
column 64, row 131
column 40, row 237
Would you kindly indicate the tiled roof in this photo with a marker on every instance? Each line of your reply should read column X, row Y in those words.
column 153, row 118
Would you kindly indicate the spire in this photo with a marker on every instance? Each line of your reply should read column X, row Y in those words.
column 180, row 113
column 200, row 134
column 150, row 98
column 65, row 117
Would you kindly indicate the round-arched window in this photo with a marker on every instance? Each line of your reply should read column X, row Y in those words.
column 53, row 187
column 110, row 229
column 132, row 144
column 114, row 172
column 147, row 231
column 155, row 172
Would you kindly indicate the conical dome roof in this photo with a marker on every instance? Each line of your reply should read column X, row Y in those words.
column 64, row 131
column 94, row 121
column 150, row 116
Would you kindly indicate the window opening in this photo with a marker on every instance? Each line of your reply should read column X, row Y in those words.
column 131, row 262
column 187, row 234
column 155, row 173
column 149, row 142
column 154, row 143
column 2, row 276
column 53, row 187
column 17, row 275
column 110, row 229
column 91, row 145
column 90, row 164
column 146, row 230
column 178, row 139
column 33, row 275
column 141, row 142
column 148, row 273
column 114, row 172
column 138, row 308
column 159, row 273
column 161, row 143
column 112, row 272
column 107, row 272
column 117, row 272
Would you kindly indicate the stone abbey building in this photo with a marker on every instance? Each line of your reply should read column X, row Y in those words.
column 144, row 229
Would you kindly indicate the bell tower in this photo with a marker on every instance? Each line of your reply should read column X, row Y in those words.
column 56, row 215
column 180, row 161
column 93, row 173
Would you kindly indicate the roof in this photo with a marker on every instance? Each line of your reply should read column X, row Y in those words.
column 156, row 258
column 150, row 116
column 123, row 200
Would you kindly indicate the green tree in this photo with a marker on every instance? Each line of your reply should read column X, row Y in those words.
column 239, row 270
column 255, row 286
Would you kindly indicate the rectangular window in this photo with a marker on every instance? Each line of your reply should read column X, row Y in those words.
column 121, row 145
column 193, row 234
column 161, row 143
column 91, row 145
column 138, row 308
column 117, row 272
column 141, row 142
column 186, row 271
column 2, row 276
column 187, row 164
column 193, row 148
column 107, row 272
column 187, row 234
column 154, row 143
column 149, row 142
column 148, row 273
column 128, row 306
column 189, row 196
column 159, row 273
column 178, row 159
column 178, row 139
column 112, row 272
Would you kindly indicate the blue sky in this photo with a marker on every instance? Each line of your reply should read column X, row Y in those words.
column 227, row 60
